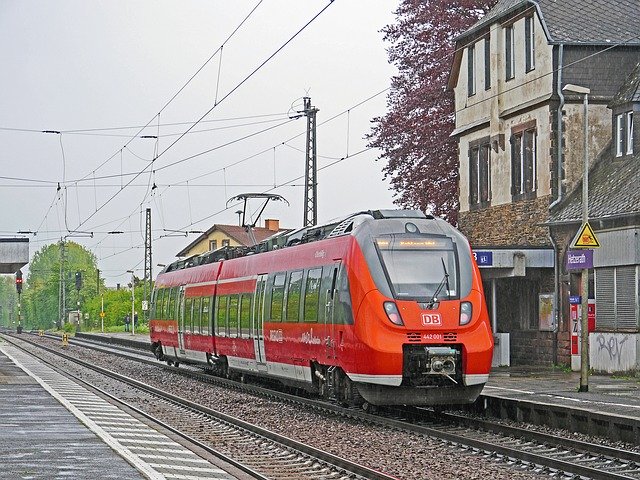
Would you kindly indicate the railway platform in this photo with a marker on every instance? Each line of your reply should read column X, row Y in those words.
column 545, row 396
column 51, row 427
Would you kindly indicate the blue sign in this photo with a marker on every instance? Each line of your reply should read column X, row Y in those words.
column 575, row 299
column 579, row 259
column 483, row 259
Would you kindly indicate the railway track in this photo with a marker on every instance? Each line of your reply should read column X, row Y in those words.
column 247, row 446
column 549, row 454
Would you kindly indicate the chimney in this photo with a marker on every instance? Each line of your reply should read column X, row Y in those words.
column 272, row 224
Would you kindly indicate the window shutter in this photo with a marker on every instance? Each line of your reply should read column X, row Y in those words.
column 605, row 299
column 626, row 298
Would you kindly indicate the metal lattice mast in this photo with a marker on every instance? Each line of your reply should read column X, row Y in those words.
column 311, row 169
column 62, row 301
column 148, row 269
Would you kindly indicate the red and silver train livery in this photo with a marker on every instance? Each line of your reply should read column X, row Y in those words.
column 384, row 307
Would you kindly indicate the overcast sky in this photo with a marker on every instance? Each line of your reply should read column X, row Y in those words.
column 89, row 68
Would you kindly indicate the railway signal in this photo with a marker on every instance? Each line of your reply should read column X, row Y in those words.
column 78, row 280
column 19, row 282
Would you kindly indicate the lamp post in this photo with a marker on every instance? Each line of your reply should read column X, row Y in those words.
column 133, row 298
column 584, row 280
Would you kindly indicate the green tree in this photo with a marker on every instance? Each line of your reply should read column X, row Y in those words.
column 117, row 304
column 41, row 296
column 8, row 301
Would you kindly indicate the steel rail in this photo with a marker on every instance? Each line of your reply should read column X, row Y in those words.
column 582, row 448
column 328, row 458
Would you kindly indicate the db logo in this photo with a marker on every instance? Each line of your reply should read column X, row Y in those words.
column 429, row 319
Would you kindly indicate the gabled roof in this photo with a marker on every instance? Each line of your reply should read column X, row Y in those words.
column 578, row 22
column 630, row 90
column 613, row 191
column 236, row 232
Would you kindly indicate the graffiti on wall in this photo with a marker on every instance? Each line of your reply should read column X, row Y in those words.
column 613, row 352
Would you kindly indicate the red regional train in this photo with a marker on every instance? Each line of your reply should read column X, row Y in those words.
column 383, row 307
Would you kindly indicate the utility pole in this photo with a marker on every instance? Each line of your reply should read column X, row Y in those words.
column 148, row 269
column 61, row 290
column 311, row 168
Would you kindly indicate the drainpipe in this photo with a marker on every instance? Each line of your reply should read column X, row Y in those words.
column 559, row 128
column 556, row 298
column 556, row 261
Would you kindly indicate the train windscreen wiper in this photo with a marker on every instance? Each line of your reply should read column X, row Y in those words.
column 445, row 281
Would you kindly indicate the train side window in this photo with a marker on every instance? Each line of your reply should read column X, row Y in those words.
column 195, row 318
column 188, row 312
column 293, row 296
column 154, row 299
column 171, row 304
column 342, row 310
column 312, row 295
column 277, row 297
column 233, row 316
column 204, row 317
column 165, row 304
column 326, row 292
column 221, row 323
column 157, row 304
column 245, row 315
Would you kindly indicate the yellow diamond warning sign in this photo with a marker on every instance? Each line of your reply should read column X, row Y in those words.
column 586, row 238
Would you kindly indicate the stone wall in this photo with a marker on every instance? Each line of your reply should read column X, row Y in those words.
column 513, row 224
column 530, row 347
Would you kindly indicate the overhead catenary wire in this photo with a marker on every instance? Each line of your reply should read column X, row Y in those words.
column 383, row 91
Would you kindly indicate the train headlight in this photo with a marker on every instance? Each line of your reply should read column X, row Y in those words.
column 393, row 314
column 466, row 312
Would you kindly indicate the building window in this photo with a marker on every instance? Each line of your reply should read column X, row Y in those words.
column 487, row 63
column 213, row 245
column 509, row 57
column 619, row 135
column 471, row 70
column 225, row 242
column 529, row 44
column 479, row 173
column 629, row 133
column 523, row 160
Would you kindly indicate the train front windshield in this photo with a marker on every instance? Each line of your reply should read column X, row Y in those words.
column 420, row 267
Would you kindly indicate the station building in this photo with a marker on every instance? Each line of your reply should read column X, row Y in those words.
column 220, row 235
column 521, row 157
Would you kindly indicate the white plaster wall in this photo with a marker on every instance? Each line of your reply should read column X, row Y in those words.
column 614, row 352
column 599, row 137
column 504, row 95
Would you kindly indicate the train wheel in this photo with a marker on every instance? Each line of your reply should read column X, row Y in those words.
column 346, row 391
column 372, row 409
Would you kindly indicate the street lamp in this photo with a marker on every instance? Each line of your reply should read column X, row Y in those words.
column 133, row 298
column 584, row 301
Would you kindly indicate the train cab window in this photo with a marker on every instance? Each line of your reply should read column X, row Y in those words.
column 277, row 297
column 419, row 266
column 221, row 316
column 204, row 317
column 233, row 316
column 312, row 295
column 245, row 315
column 293, row 296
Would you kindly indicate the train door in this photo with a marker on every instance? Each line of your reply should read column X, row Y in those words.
column 329, row 277
column 181, row 321
column 258, row 323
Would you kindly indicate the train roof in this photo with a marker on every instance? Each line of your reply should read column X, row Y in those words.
column 334, row 228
